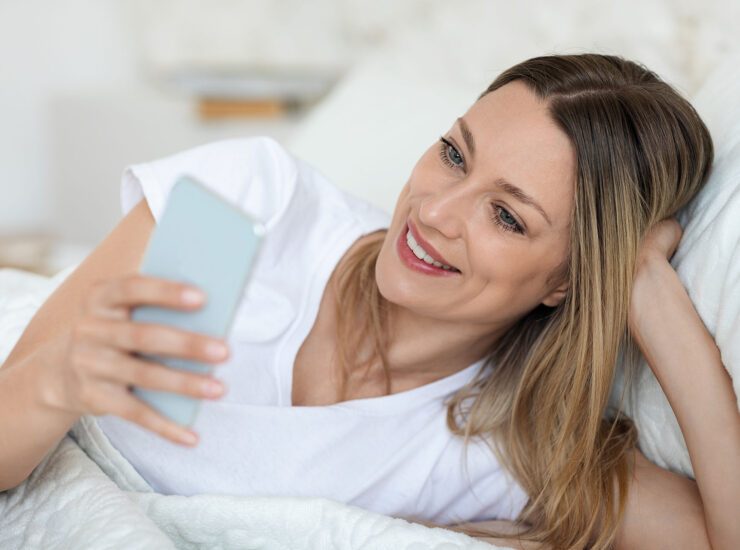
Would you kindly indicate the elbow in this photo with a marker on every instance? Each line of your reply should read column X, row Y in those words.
column 13, row 482
column 9, row 486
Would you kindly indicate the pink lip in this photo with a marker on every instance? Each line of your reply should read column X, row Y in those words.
column 410, row 260
column 426, row 245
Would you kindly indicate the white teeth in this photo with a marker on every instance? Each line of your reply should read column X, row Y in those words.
column 420, row 253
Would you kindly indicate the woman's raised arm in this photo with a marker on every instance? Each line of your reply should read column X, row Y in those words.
column 29, row 430
column 76, row 356
column 687, row 363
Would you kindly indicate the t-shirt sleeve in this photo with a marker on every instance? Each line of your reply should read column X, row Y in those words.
column 255, row 173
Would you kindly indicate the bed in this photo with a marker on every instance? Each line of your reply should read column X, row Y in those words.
column 85, row 494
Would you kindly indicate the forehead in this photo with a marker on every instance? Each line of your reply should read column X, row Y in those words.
column 517, row 139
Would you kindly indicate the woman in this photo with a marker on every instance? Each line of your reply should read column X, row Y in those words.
column 541, row 223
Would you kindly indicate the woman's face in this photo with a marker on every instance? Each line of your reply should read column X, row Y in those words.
column 465, row 205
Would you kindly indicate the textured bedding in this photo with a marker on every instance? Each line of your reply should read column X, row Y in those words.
column 85, row 494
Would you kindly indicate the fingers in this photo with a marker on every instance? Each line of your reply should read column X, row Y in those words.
column 104, row 348
column 112, row 299
column 668, row 235
column 663, row 237
column 117, row 400
column 107, row 373
column 130, row 370
column 153, row 339
column 677, row 234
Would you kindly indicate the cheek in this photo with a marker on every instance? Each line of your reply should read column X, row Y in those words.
column 425, row 173
column 514, row 268
column 420, row 182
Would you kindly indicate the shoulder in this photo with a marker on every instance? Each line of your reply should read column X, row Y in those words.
column 256, row 173
column 663, row 508
column 220, row 159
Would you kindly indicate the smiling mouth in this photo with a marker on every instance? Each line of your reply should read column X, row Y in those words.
column 423, row 255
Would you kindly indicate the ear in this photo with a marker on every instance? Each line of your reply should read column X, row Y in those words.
column 556, row 295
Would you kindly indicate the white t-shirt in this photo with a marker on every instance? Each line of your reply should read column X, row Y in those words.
column 390, row 454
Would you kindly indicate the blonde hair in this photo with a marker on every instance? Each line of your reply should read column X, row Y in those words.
column 540, row 401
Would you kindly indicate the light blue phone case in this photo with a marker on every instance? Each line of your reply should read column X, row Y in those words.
column 205, row 241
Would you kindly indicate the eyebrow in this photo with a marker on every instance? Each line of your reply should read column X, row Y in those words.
column 509, row 187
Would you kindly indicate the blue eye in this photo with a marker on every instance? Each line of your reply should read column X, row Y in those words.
column 501, row 217
column 506, row 221
column 449, row 155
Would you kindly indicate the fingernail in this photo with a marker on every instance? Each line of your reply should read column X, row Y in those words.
column 214, row 388
column 192, row 297
column 188, row 438
column 216, row 350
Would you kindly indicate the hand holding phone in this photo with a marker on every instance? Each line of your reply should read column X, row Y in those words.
column 96, row 362
column 204, row 241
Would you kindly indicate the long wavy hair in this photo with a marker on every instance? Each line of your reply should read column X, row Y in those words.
column 540, row 401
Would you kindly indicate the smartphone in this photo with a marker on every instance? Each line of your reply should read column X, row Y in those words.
column 204, row 241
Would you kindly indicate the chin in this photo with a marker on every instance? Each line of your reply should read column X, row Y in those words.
column 392, row 284
column 395, row 283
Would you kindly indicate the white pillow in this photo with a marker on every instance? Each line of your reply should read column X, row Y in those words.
column 707, row 261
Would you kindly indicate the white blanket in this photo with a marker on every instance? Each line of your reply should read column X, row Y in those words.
column 85, row 494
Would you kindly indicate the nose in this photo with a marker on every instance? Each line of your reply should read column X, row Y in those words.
column 447, row 209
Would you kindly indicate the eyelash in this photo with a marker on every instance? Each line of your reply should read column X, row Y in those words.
column 443, row 147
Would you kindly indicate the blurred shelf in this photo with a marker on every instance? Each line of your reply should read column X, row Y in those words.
column 253, row 84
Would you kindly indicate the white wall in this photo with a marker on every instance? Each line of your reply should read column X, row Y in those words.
column 47, row 48
column 81, row 92
column 78, row 79
column 95, row 136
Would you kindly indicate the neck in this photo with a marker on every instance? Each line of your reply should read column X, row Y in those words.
column 426, row 349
